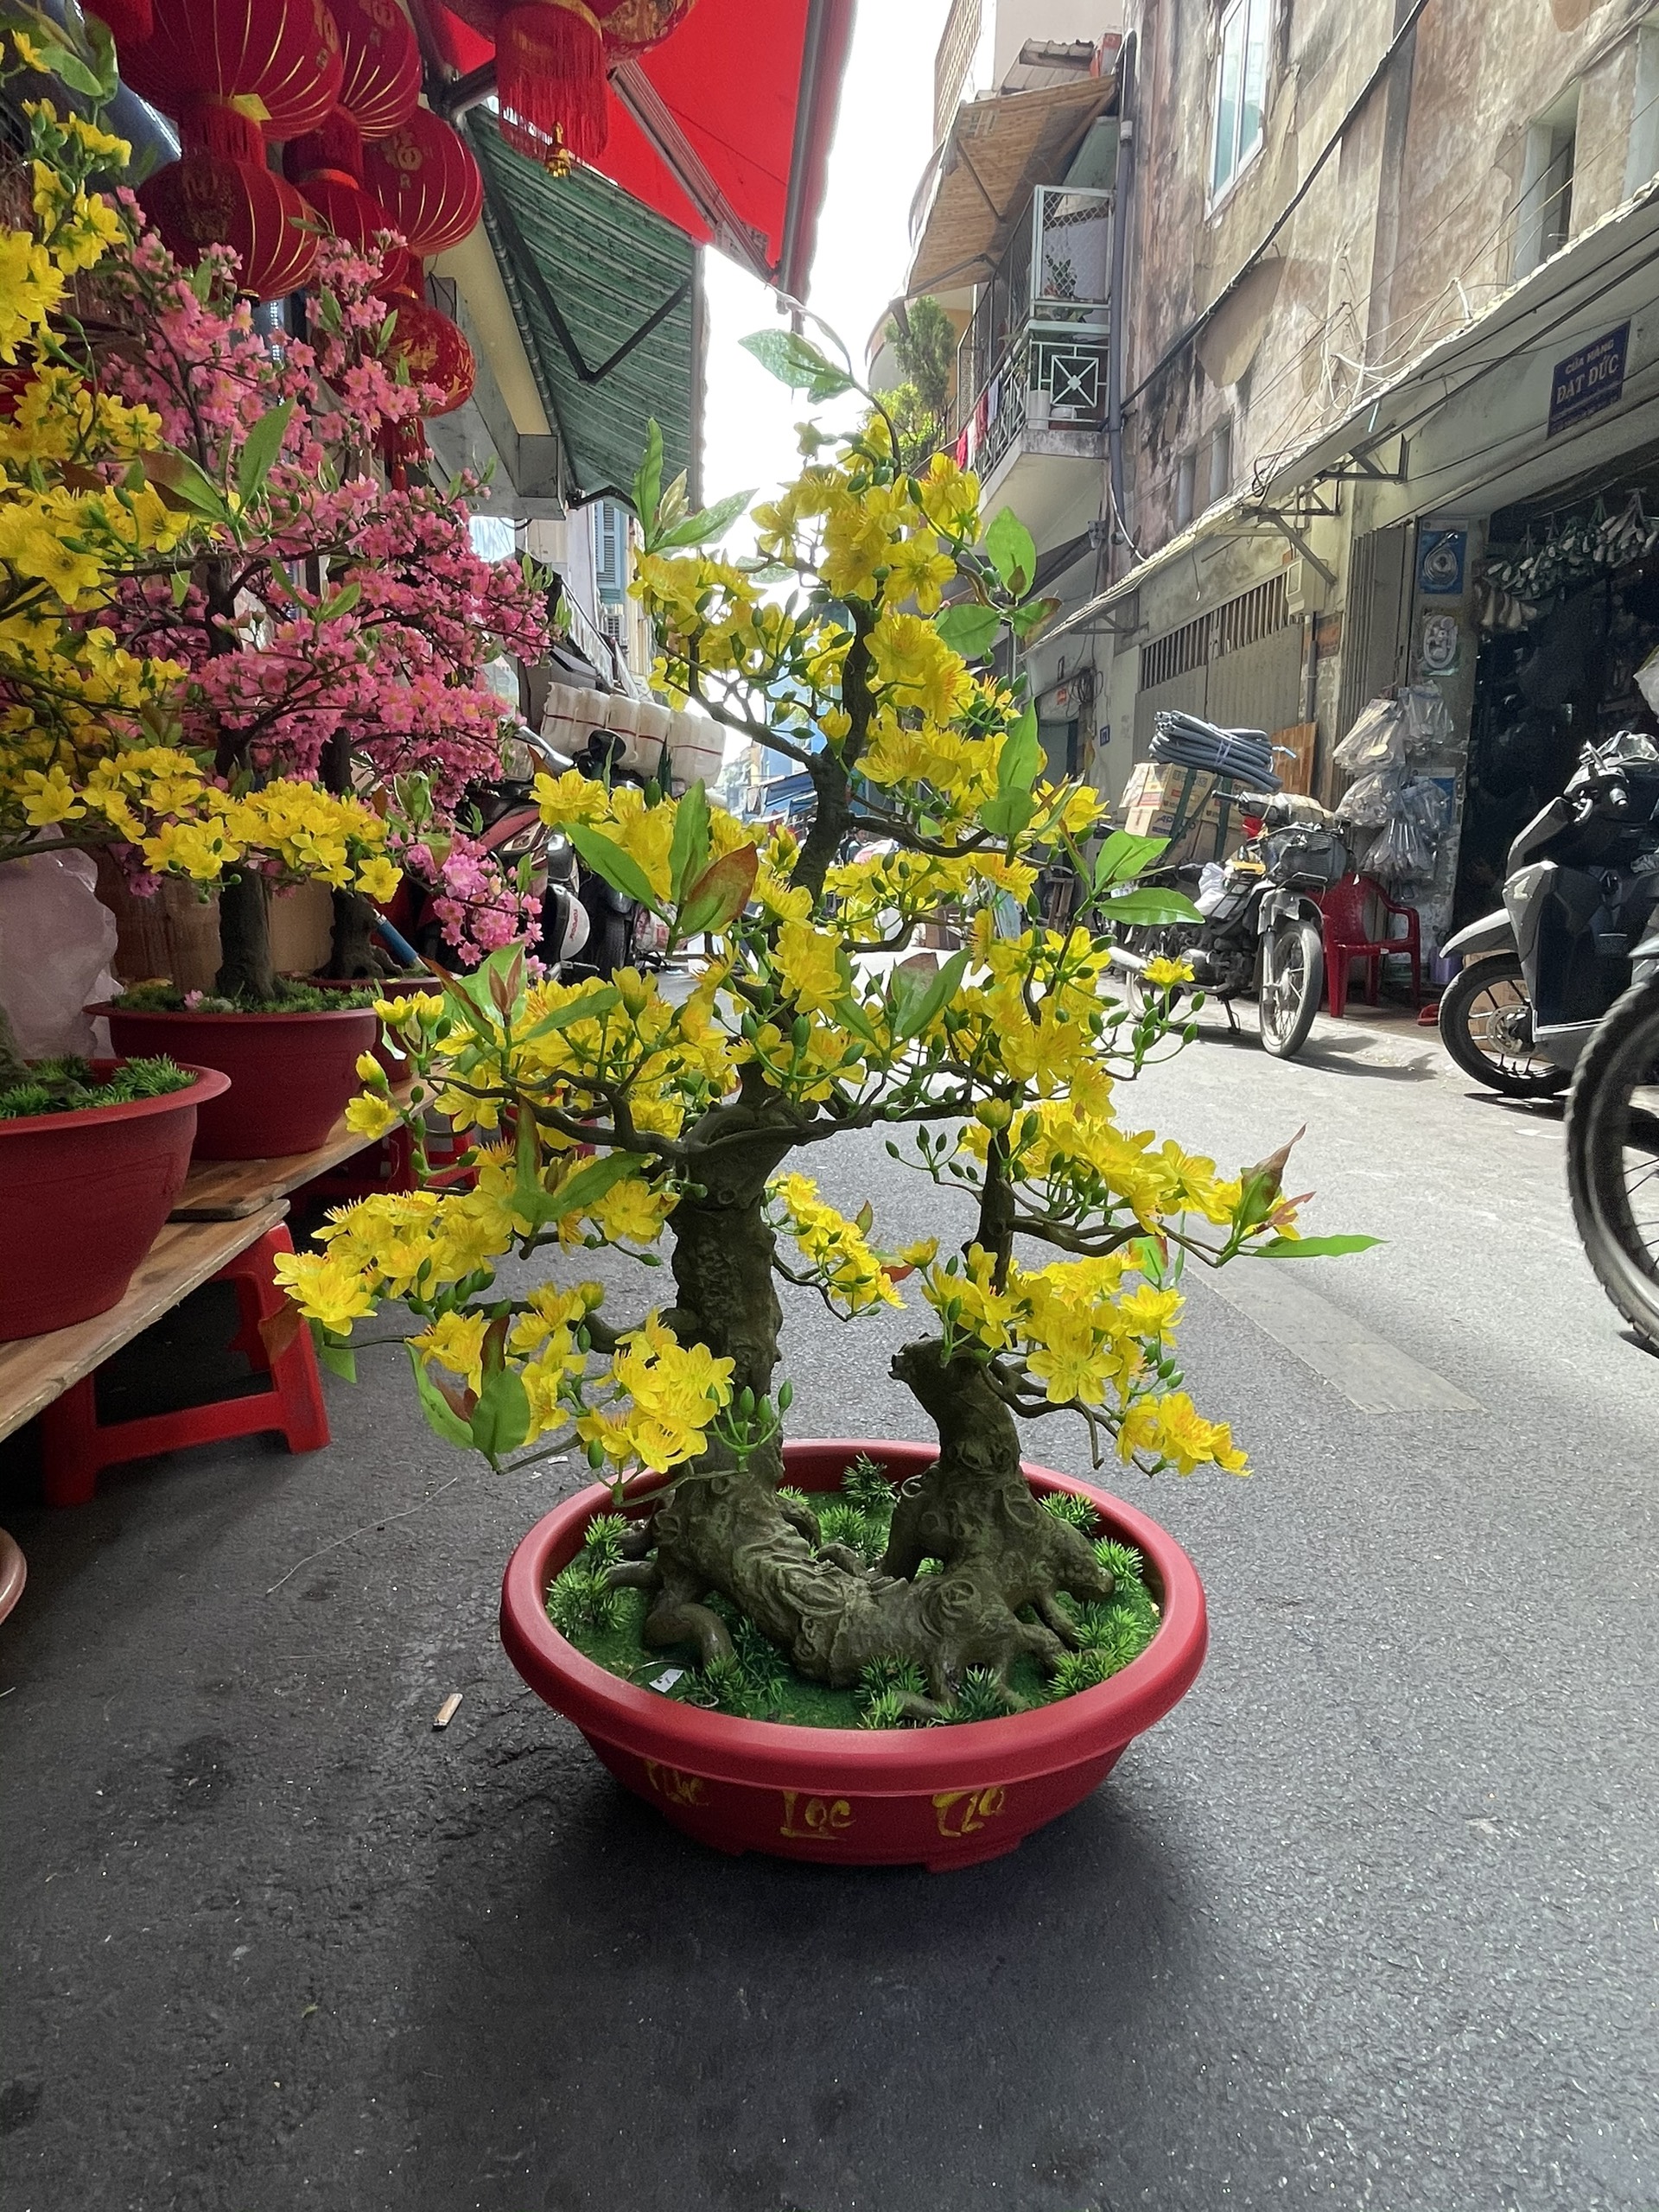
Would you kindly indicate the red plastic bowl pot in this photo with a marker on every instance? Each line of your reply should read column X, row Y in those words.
column 291, row 1074
column 83, row 1196
column 941, row 1797
column 391, row 986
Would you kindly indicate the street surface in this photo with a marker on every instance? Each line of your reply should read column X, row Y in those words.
column 1372, row 1920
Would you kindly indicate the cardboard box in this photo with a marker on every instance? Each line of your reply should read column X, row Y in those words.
column 1159, row 793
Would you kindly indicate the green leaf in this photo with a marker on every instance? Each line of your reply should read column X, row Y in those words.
column 337, row 1357
column 1006, row 815
column 720, row 893
column 606, row 858
column 588, row 1008
column 1310, row 1248
column 969, row 628
column 648, row 478
column 689, row 854
column 1121, row 857
column 587, row 1185
column 796, row 361
column 441, row 1416
column 260, row 448
column 73, row 72
column 1021, row 755
column 1012, row 552
column 1149, row 907
column 915, row 1015
column 182, row 477
column 1028, row 619
column 706, row 524
column 342, row 601
column 501, row 1417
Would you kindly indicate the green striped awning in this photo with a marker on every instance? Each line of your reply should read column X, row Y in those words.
column 605, row 295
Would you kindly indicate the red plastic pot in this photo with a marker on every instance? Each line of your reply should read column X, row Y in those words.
column 291, row 1074
column 944, row 1797
column 83, row 1197
column 390, row 987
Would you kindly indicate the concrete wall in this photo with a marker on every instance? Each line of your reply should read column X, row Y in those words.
column 1409, row 227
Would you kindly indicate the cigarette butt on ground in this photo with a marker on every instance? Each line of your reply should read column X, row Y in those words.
column 447, row 1711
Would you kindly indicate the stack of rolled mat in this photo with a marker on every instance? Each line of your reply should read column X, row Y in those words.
column 1243, row 754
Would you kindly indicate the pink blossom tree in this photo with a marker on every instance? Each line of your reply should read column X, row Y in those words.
column 336, row 628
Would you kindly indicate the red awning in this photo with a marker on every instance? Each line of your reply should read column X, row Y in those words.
column 724, row 128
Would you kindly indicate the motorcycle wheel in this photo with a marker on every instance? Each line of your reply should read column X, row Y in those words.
column 1153, row 941
column 1612, row 1156
column 1479, row 1009
column 610, row 944
column 1292, row 977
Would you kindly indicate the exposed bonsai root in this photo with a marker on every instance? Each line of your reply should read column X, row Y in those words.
column 634, row 1574
column 725, row 1528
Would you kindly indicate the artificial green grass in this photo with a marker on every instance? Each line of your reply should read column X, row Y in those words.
column 758, row 1683
column 63, row 1086
column 292, row 997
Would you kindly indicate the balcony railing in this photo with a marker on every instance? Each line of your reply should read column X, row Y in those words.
column 1034, row 355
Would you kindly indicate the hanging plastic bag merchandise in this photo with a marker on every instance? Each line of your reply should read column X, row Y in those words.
column 1376, row 740
column 1426, row 721
column 1404, row 850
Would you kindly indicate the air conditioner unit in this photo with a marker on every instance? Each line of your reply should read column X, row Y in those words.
column 1304, row 588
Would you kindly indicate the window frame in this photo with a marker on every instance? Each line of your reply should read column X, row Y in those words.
column 1247, row 17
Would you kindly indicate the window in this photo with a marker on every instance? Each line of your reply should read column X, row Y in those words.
column 1642, row 154
column 1544, row 210
column 611, row 549
column 1241, row 88
column 1203, row 474
column 1221, row 461
column 1186, row 477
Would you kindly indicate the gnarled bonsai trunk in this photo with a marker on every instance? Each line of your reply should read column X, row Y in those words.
column 245, row 969
column 724, row 1528
column 352, row 954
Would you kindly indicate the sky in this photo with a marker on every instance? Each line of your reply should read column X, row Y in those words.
column 883, row 136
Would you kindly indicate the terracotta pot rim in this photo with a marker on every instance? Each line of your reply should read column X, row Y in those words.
column 209, row 1082
column 212, row 1015
column 898, row 1761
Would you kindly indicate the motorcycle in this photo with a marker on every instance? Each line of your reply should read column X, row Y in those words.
column 1582, row 880
column 621, row 933
column 1262, row 932
column 507, row 824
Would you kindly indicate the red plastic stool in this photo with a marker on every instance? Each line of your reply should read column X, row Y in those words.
column 389, row 1166
column 75, row 1445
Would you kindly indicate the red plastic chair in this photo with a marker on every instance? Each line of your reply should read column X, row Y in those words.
column 1346, row 939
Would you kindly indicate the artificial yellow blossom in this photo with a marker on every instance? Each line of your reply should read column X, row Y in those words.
column 455, row 1341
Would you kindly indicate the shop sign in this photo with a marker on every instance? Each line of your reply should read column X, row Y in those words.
column 1588, row 380
column 1439, row 563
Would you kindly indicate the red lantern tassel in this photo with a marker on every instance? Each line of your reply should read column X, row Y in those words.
column 550, row 81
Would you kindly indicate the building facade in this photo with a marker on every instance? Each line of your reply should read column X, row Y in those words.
column 1390, row 321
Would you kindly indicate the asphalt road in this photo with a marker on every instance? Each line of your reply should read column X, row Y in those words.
column 1372, row 1919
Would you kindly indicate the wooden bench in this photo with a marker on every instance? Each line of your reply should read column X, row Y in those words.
column 228, row 1224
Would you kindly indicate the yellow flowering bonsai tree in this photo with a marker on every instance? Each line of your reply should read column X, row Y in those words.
column 91, row 751
column 859, row 642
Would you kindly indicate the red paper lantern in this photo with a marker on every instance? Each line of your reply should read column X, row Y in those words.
column 276, row 62
column 213, row 199
column 131, row 21
column 635, row 26
column 435, row 352
column 326, row 166
column 426, row 182
column 380, row 65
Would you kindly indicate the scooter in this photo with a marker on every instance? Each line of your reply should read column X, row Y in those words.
column 1262, row 931
column 1582, row 883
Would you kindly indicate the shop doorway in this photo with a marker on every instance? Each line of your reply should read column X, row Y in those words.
column 1570, row 611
